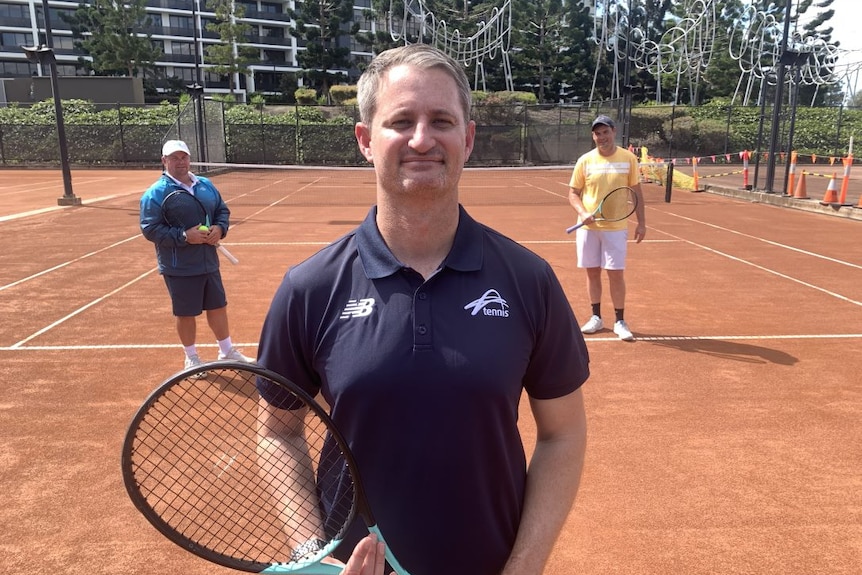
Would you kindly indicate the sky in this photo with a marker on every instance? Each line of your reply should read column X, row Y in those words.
column 846, row 27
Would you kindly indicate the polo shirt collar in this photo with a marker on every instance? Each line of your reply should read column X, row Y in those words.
column 378, row 261
column 180, row 184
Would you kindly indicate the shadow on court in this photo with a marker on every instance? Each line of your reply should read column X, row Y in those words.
column 733, row 350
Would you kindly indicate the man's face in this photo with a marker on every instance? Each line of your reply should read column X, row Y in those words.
column 604, row 137
column 418, row 139
column 177, row 164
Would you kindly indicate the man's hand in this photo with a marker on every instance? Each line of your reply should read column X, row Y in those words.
column 368, row 558
column 198, row 235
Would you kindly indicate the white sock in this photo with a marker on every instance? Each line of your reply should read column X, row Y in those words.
column 190, row 350
column 224, row 345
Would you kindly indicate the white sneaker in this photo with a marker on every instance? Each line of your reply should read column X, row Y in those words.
column 623, row 331
column 195, row 361
column 593, row 325
column 234, row 355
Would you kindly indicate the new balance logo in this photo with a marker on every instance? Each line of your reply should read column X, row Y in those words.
column 358, row 308
column 498, row 306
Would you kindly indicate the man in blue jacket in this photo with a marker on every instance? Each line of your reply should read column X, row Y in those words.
column 186, row 254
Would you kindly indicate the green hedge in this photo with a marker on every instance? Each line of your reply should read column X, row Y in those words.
column 507, row 131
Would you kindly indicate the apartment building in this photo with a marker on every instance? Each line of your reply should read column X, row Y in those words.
column 179, row 29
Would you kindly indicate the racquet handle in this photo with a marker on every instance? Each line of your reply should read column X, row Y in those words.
column 230, row 257
column 574, row 227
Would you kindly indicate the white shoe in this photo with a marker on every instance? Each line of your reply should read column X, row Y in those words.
column 195, row 361
column 593, row 325
column 234, row 355
column 623, row 331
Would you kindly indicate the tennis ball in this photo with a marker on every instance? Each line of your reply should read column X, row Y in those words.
column 203, row 228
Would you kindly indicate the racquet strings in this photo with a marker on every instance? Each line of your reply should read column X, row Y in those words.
column 618, row 205
column 195, row 463
column 181, row 209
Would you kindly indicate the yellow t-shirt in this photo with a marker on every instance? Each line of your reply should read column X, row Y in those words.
column 597, row 175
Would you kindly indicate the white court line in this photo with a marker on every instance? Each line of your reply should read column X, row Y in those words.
column 25, row 188
column 765, row 269
column 113, row 346
column 728, row 337
column 770, row 242
column 523, row 242
column 67, row 263
column 82, row 309
column 20, row 215
column 800, row 337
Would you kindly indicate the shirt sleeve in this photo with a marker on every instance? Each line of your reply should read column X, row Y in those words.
column 560, row 361
column 283, row 347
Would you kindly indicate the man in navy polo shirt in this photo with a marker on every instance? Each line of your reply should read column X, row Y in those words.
column 421, row 329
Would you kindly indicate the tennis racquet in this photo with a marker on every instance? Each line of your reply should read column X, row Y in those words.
column 195, row 463
column 183, row 209
column 618, row 205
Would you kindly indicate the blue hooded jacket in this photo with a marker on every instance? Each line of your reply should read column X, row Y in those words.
column 175, row 256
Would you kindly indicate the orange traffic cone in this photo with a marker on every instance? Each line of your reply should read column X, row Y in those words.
column 800, row 191
column 695, row 185
column 831, row 195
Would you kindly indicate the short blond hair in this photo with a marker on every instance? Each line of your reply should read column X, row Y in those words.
column 422, row 56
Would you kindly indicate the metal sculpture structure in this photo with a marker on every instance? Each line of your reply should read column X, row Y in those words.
column 491, row 39
column 684, row 52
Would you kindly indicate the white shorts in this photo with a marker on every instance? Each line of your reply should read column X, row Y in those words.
column 606, row 250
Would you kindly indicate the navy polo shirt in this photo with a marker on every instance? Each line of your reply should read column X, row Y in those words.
column 424, row 380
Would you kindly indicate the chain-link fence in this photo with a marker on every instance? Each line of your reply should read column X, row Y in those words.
column 506, row 135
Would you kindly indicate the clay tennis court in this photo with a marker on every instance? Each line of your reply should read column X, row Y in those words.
column 726, row 439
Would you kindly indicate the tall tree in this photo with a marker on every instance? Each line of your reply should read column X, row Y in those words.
column 553, row 56
column 110, row 32
column 326, row 27
column 229, row 57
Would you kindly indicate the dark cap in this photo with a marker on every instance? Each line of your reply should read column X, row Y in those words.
column 603, row 120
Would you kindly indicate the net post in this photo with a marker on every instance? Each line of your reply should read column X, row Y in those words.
column 668, row 187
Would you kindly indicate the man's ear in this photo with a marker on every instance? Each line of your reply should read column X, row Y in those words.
column 363, row 138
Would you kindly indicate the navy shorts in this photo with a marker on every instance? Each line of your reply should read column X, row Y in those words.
column 190, row 295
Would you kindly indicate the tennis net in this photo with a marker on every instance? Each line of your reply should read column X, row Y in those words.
column 291, row 185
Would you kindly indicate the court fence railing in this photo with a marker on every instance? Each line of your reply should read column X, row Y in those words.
column 506, row 135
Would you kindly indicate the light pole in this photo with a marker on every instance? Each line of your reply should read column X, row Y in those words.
column 43, row 55
column 197, row 91
column 627, row 81
column 776, row 109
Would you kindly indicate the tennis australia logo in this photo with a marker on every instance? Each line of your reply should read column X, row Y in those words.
column 489, row 304
column 358, row 308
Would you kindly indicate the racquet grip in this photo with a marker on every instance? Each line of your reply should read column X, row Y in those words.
column 230, row 257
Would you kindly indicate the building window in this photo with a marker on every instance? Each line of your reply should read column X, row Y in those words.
column 269, row 32
column 15, row 39
column 183, row 22
column 16, row 69
column 16, row 11
column 184, row 48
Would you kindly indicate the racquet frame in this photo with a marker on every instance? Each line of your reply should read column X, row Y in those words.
column 154, row 476
column 631, row 194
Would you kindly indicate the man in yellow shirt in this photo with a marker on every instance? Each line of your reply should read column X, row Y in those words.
column 602, row 244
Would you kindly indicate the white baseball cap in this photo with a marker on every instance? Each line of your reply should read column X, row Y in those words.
column 172, row 146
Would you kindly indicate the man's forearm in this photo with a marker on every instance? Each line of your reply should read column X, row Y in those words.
column 552, row 484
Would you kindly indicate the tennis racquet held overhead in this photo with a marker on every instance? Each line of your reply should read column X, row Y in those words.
column 183, row 209
column 616, row 206
column 203, row 468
